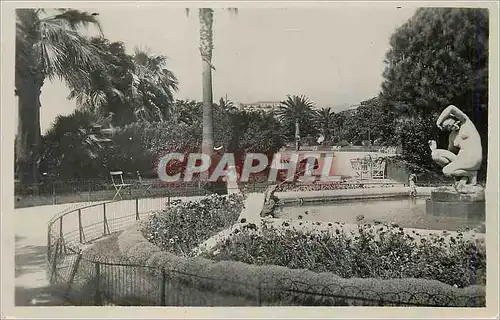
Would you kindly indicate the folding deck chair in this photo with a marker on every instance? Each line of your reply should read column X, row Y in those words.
column 144, row 184
column 119, row 184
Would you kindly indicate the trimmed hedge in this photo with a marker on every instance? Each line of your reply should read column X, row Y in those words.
column 276, row 285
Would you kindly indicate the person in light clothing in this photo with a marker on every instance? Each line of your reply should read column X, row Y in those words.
column 413, row 186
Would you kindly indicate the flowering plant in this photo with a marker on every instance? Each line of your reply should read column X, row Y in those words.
column 183, row 226
column 371, row 251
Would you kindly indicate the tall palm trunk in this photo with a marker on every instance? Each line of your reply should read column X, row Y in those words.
column 28, row 140
column 297, row 135
column 206, row 16
column 206, row 46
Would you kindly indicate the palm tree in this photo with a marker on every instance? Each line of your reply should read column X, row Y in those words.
column 325, row 119
column 76, row 143
column 106, row 85
column 134, row 87
column 48, row 45
column 226, row 105
column 153, row 86
column 206, row 18
column 296, row 112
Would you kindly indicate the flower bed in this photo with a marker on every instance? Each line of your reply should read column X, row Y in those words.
column 372, row 252
column 321, row 186
column 202, row 282
column 180, row 228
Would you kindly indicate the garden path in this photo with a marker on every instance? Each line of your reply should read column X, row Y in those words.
column 30, row 228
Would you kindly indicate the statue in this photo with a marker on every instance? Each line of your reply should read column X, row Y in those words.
column 463, row 158
column 270, row 200
column 413, row 187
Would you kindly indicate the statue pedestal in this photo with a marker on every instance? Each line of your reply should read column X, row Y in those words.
column 448, row 202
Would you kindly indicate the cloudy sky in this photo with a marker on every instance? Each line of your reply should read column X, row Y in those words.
column 334, row 55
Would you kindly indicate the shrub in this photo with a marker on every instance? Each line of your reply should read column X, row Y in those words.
column 181, row 228
column 372, row 252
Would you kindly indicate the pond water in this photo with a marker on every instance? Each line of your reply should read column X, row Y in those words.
column 405, row 212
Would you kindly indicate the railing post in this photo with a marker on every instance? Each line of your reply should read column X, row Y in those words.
column 49, row 233
column 90, row 191
column 73, row 273
column 260, row 294
column 136, row 208
column 54, row 263
column 80, row 228
column 105, row 219
column 60, row 227
column 163, row 283
column 98, row 300
column 53, row 193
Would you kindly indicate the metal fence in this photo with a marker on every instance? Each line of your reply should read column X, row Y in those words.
column 74, row 191
column 91, row 191
column 60, row 192
column 92, row 279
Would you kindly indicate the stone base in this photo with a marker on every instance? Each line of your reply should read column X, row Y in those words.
column 468, row 194
column 448, row 202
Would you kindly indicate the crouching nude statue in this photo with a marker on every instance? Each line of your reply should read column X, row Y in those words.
column 463, row 158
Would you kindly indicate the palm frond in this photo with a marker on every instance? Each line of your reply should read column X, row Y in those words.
column 54, row 47
column 77, row 19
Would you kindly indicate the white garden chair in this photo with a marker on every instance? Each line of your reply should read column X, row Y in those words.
column 118, row 183
column 144, row 184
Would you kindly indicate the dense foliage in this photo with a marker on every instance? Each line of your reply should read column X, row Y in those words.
column 379, row 251
column 372, row 122
column 138, row 146
column 438, row 57
column 73, row 148
column 182, row 227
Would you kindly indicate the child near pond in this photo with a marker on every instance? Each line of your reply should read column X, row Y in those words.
column 413, row 186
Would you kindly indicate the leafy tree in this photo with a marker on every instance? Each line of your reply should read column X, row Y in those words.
column 413, row 137
column 440, row 57
column 325, row 120
column 371, row 121
column 48, row 45
column 262, row 133
column 297, row 117
column 376, row 122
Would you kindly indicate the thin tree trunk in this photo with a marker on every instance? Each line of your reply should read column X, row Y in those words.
column 206, row 46
column 208, row 131
column 206, row 43
column 28, row 136
column 297, row 135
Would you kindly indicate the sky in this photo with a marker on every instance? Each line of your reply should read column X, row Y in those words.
column 334, row 55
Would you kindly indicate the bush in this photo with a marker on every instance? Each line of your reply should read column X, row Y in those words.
column 372, row 252
column 181, row 228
